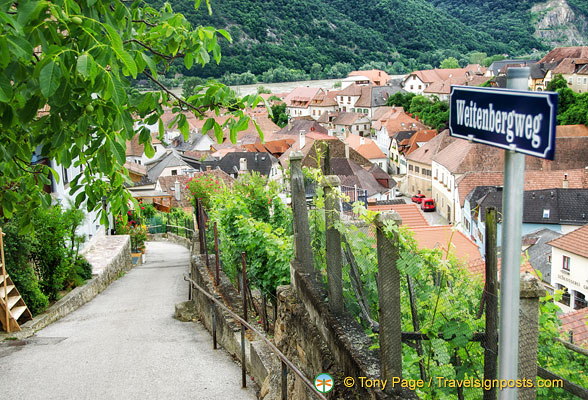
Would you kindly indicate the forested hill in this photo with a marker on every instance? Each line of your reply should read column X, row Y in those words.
column 404, row 34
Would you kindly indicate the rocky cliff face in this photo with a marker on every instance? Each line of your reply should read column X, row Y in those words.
column 556, row 24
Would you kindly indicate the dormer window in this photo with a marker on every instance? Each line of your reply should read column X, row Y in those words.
column 545, row 213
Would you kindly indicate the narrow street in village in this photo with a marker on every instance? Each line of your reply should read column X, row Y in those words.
column 125, row 344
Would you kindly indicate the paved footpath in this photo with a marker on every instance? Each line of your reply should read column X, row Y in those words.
column 125, row 344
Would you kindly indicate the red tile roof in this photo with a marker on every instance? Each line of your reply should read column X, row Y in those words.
column 301, row 96
column 462, row 156
column 369, row 149
column 560, row 53
column 420, row 137
column 410, row 214
column 575, row 242
column 478, row 268
column 377, row 77
column 425, row 153
column 577, row 322
column 445, row 236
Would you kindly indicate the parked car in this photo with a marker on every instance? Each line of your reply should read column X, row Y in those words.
column 428, row 205
column 397, row 192
column 417, row 198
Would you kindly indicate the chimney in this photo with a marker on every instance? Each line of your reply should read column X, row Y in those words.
column 346, row 150
column 177, row 190
column 565, row 181
column 302, row 138
column 361, row 140
column 242, row 164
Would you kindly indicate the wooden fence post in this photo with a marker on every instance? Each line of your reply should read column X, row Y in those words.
column 333, row 245
column 302, row 247
column 491, row 301
column 531, row 291
column 389, row 301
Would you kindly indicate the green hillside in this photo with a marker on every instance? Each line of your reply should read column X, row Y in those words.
column 399, row 35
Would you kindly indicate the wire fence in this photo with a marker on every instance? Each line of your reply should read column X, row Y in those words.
column 169, row 223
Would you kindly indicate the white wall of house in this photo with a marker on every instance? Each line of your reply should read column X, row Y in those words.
column 91, row 226
column 204, row 143
column 382, row 163
column 383, row 140
column 346, row 103
column 575, row 280
column 444, row 190
column 413, row 84
column 298, row 111
column 316, row 111
column 159, row 152
column 178, row 170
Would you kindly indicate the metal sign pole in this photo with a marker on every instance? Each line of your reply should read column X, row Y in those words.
column 512, row 210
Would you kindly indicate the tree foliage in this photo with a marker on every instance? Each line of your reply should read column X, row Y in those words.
column 572, row 108
column 449, row 62
column 298, row 34
column 65, row 71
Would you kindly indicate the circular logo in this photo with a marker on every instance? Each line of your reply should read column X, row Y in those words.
column 323, row 383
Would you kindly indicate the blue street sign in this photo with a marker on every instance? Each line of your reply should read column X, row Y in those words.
column 516, row 120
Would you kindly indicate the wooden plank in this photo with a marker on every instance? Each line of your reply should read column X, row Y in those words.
column 18, row 311
column 12, row 300
column 4, row 290
column 568, row 386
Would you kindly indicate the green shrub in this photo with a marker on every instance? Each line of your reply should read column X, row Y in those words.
column 17, row 250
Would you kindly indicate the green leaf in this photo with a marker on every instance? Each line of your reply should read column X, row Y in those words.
column 86, row 66
column 115, row 39
column 20, row 47
column 258, row 130
column 119, row 152
column 225, row 34
column 218, row 132
column 188, row 60
column 115, row 90
column 207, row 125
column 151, row 64
column 127, row 61
column 5, row 89
column 49, row 78
column 149, row 150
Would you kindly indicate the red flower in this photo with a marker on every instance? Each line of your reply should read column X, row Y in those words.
column 142, row 208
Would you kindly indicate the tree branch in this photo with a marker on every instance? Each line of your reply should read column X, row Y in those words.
column 142, row 21
column 199, row 110
column 160, row 54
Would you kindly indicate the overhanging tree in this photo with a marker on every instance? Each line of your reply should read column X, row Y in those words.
column 65, row 68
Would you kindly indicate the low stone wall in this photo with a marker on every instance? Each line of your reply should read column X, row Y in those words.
column 258, row 357
column 173, row 238
column 305, row 322
column 114, row 261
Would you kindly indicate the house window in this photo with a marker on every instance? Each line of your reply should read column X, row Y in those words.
column 419, row 87
column 579, row 80
column 580, row 301
column 566, row 263
column 65, row 175
column 584, row 81
column 411, row 87
column 410, row 167
column 174, row 172
column 545, row 213
column 417, row 169
column 565, row 298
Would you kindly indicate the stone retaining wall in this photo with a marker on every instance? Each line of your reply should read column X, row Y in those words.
column 119, row 262
column 172, row 237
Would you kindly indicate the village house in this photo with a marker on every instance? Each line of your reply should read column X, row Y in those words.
column 569, row 268
column 419, row 172
column 236, row 163
column 344, row 124
column 557, row 209
column 369, row 149
column 363, row 99
column 572, row 63
column 418, row 81
column 391, row 126
column 298, row 101
column 374, row 77
column 323, row 102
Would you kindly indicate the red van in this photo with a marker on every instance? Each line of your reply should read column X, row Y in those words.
column 428, row 205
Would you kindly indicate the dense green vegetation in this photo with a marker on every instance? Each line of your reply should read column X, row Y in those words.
column 46, row 262
column 433, row 112
column 572, row 107
column 304, row 39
